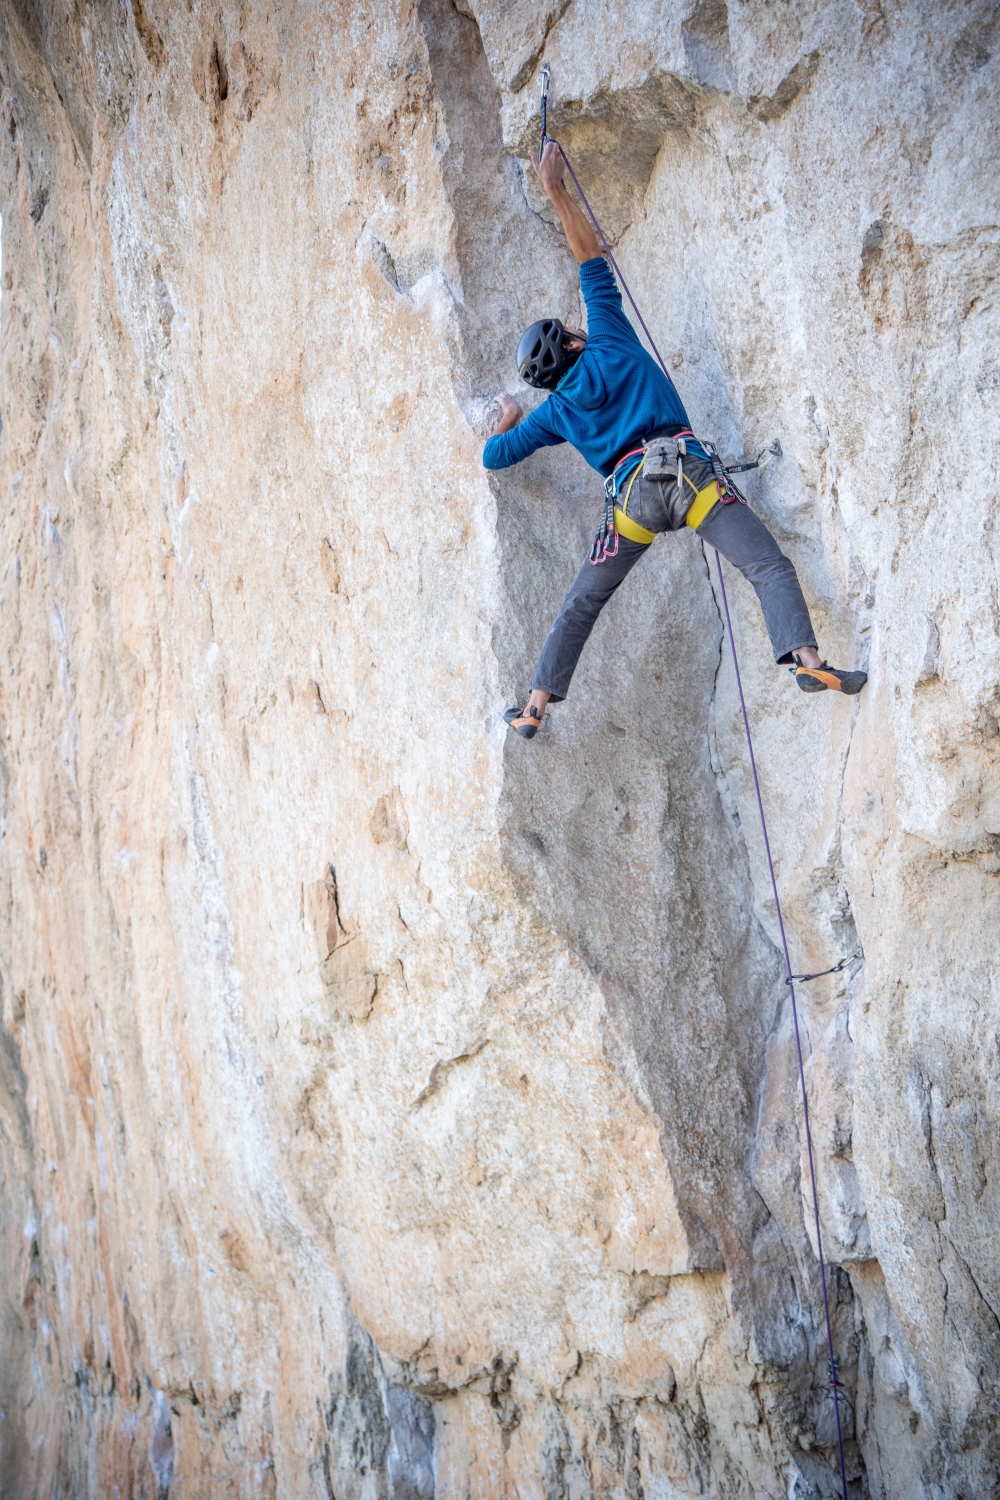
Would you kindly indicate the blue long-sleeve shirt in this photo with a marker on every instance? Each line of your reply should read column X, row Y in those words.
column 613, row 396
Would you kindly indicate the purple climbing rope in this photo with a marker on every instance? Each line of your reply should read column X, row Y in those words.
column 789, row 978
column 834, row 1382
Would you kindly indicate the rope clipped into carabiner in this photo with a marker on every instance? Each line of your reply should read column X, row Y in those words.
column 835, row 1383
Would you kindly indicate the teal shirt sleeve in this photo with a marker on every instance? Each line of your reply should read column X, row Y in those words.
column 605, row 314
column 506, row 448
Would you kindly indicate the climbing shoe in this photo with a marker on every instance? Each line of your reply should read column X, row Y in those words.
column 818, row 679
column 527, row 723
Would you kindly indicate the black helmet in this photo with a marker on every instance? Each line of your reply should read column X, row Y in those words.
column 542, row 360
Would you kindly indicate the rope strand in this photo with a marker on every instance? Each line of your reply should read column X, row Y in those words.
column 790, row 978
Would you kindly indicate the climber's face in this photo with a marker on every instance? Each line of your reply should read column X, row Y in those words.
column 574, row 340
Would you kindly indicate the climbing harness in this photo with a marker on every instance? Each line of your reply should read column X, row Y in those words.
column 661, row 458
column 719, row 473
column 664, row 461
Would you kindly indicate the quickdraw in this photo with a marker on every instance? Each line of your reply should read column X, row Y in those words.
column 850, row 959
column 760, row 462
column 728, row 492
column 724, row 472
column 544, row 111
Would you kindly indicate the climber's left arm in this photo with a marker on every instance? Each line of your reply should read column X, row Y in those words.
column 509, row 445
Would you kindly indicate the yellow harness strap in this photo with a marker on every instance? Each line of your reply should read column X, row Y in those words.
column 624, row 525
column 702, row 503
column 700, row 506
column 635, row 533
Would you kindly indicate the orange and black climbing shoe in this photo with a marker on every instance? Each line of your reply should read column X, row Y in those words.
column 819, row 679
column 527, row 723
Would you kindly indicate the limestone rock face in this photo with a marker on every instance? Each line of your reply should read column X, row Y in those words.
column 389, row 1108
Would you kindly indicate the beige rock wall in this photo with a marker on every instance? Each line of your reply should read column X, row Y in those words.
column 387, row 1109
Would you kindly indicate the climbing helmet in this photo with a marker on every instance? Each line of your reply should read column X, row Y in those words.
column 542, row 357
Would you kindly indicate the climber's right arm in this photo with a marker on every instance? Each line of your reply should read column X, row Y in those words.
column 579, row 233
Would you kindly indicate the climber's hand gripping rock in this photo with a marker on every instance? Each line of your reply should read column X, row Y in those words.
column 510, row 413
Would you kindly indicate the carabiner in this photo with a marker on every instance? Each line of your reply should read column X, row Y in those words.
column 544, row 106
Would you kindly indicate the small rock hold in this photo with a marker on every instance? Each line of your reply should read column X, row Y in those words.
column 389, row 823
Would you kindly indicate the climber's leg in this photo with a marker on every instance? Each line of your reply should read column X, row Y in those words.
column 744, row 540
column 590, row 591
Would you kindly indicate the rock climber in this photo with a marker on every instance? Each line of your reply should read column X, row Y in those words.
column 613, row 402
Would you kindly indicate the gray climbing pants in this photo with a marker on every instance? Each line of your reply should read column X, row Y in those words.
column 743, row 540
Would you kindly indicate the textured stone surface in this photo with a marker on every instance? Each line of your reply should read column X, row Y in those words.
column 390, row 1110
